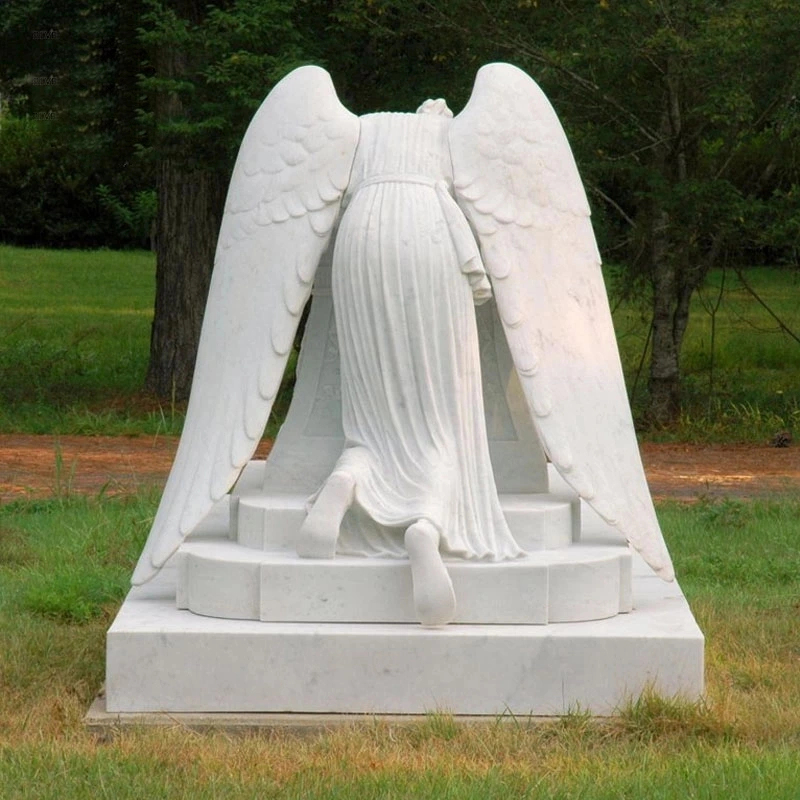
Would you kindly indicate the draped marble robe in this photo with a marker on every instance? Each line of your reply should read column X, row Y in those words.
column 406, row 274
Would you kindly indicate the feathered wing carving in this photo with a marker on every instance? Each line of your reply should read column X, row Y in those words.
column 516, row 180
column 284, row 197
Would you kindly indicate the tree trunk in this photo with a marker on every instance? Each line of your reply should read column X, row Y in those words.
column 190, row 208
column 668, row 269
column 665, row 398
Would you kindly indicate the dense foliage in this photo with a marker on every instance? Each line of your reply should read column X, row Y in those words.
column 683, row 124
column 684, row 116
column 68, row 125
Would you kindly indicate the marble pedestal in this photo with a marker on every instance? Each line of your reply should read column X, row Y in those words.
column 581, row 623
column 164, row 659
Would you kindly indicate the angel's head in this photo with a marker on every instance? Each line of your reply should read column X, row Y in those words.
column 438, row 107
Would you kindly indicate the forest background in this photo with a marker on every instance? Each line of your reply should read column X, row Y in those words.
column 119, row 124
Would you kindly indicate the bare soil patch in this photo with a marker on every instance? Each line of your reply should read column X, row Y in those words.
column 41, row 466
column 688, row 472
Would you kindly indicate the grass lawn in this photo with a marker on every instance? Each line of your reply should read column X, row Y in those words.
column 73, row 351
column 75, row 330
column 747, row 386
column 74, row 343
column 64, row 565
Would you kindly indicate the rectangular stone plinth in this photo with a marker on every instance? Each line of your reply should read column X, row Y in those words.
column 163, row 659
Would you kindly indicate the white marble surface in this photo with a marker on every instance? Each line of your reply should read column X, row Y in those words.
column 281, row 209
column 568, row 575
column 311, row 438
column 221, row 579
column 494, row 193
column 163, row 659
column 428, row 214
column 264, row 517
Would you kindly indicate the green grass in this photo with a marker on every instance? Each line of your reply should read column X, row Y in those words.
column 69, row 559
column 74, row 343
column 726, row 547
column 75, row 330
column 74, row 338
column 64, row 564
column 747, row 387
column 701, row 774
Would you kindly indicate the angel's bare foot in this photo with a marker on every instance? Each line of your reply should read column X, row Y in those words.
column 320, row 530
column 434, row 599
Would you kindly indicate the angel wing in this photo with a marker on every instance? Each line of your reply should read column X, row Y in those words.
column 285, row 193
column 516, row 180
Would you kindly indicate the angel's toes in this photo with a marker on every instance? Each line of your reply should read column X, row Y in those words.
column 434, row 598
column 320, row 531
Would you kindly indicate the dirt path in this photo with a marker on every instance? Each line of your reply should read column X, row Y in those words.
column 38, row 466
column 687, row 472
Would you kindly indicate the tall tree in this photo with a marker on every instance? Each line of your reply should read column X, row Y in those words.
column 210, row 67
column 684, row 117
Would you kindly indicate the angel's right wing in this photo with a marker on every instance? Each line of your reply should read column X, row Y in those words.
column 516, row 179
column 291, row 172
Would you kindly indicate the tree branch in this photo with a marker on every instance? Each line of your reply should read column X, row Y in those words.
column 766, row 308
column 613, row 203
column 585, row 84
column 522, row 47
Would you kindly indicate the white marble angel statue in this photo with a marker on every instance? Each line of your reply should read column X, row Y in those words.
column 431, row 215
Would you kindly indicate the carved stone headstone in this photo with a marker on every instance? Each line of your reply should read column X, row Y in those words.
column 459, row 339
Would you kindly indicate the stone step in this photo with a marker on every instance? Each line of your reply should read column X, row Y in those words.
column 271, row 523
column 161, row 659
column 219, row 578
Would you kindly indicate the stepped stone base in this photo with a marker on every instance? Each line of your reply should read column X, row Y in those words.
column 161, row 659
column 218, row 578
column 246, row 567
column 164, row 659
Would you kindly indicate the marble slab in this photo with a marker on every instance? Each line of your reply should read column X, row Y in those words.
column 271, row 521
column 161, row 659
column 218, row 578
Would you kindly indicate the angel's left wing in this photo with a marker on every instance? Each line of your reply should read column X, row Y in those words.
column 516, row 180
column 285, row 194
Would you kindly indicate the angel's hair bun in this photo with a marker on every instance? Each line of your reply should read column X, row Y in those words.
column 438, row 107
